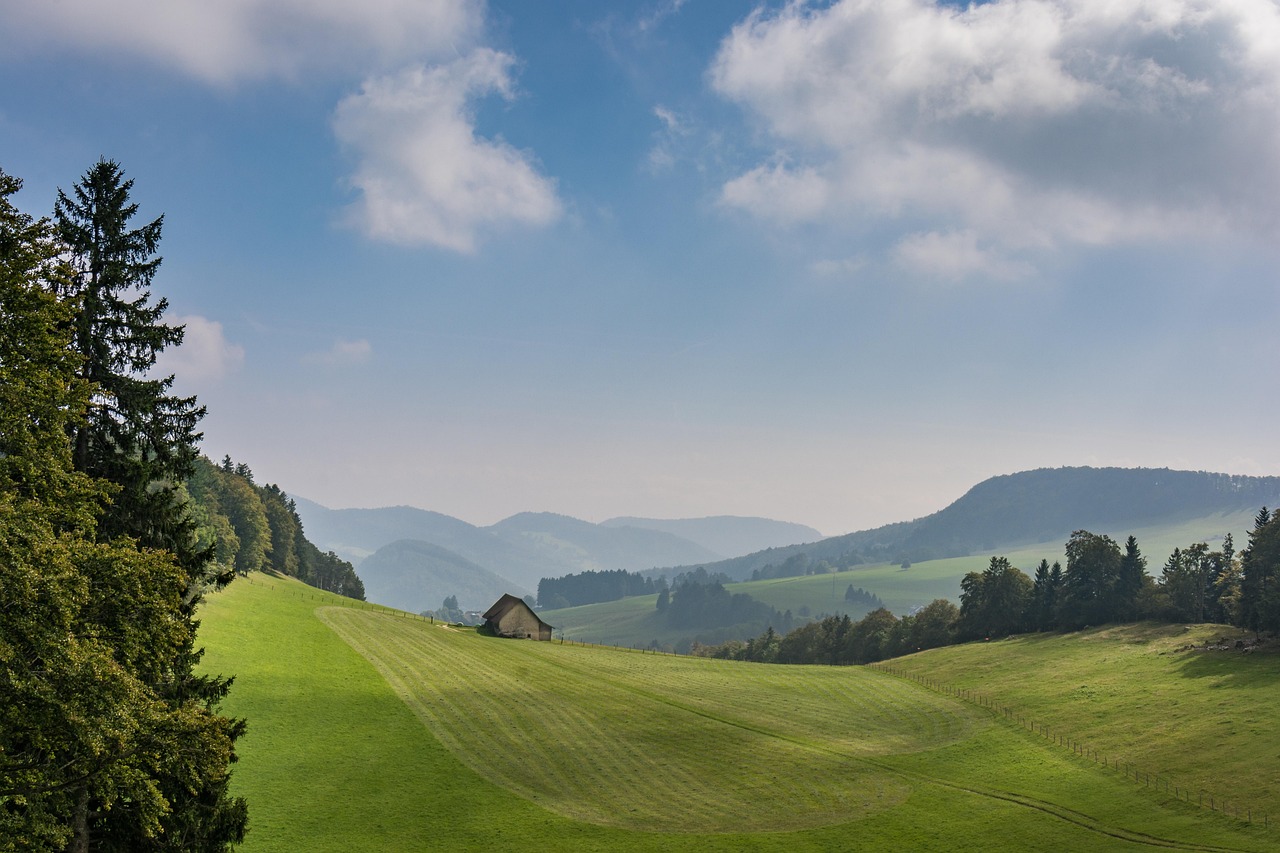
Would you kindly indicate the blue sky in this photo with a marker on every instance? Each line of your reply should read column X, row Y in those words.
column 831, row 263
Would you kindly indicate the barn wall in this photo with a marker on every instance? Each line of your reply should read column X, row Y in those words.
column 519, row 622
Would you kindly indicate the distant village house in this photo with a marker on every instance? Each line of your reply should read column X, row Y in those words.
column 512, row 617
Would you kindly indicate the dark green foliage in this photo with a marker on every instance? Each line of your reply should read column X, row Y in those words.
column 1089, row 585
column 1129, row 582
column 257, row 528
column 993, row 603
column 1045, row 590
column 136, row 434
column 1260, row 574
column 838, row 640
column 860, row 597
column 709, row 605
column 109, row 740
column 592, row 587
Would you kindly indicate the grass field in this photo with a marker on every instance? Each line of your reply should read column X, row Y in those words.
column 1203, row 721
column 372, row 731
column 634, row 622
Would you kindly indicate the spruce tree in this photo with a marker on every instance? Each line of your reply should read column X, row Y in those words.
column 1129, row 583
column 136, row 435
column 1260, row 568
column 140, row 438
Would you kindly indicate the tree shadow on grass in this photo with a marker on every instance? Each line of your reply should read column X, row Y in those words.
column 1235, row 660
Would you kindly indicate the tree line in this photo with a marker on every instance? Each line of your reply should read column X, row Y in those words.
column 593, row 587
column 110, row 740
column 1102, row 583
column 253, row 528
column 696, row 602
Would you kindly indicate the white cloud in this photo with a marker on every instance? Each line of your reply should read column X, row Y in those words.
column 423, row 174
column 229, row 40
column 205, row 353
column 775, row 191
column 342, row 353
column 662, row 156
column 955, row 256
column 1016, row 125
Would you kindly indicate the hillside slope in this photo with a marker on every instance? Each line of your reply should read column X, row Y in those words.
column 598, row 547
column 1043, row 505
column 519, row 550
column 372, row 731
column 727, row 535
column 418, row 576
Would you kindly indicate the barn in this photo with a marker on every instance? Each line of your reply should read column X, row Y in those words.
column 511, row 617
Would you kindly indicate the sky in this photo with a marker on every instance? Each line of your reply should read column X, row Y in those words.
column 830, row 263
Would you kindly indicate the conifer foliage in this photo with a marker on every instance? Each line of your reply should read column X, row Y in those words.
column 109, row 739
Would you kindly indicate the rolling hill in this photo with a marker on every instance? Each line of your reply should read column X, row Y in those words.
column 518, row 551
column 418, row 576
column 1044, row 505
column 369, row 730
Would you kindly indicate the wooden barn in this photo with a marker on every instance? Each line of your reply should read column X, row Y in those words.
column 511, row 617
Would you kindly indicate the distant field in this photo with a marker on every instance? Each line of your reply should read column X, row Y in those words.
column 372, row 731
column 634, row 622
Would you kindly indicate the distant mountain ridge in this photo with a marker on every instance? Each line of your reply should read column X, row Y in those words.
column 518, row 551
column 1041, row 505
column 728, row 535
column 418, row 576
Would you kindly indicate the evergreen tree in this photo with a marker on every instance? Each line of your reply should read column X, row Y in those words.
column 1129, row 582
column 993, row 603
column 1224, row 584
column 141, row 439
column 136, row 434
column 1093, row 568
column 1044, row 596
column 1260, row 574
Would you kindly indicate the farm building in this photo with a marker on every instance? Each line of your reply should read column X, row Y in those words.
column 511, row 617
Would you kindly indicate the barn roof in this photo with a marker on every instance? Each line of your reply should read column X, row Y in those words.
column 503, row 605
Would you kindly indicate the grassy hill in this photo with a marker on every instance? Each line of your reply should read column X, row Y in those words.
column 370, row 730
column 633, row 621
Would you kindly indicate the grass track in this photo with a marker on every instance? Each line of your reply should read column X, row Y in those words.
column 337, row 760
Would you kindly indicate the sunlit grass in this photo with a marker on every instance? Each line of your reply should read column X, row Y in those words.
column 428, row 737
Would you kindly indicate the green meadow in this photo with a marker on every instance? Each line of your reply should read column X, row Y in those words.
column 372, row 730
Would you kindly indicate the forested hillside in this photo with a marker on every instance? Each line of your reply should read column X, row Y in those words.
column 257, row 528
column 1027, row 508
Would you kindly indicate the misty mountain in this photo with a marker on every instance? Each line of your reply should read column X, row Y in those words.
column 600, row 547
column 1043, row 505
column 418, row 576
column 521, row 550
column 354, row 534
column 727, row 535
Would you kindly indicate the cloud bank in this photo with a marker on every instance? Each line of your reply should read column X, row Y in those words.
column 423, row 174
column 228, row 41
column 1007, row 128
